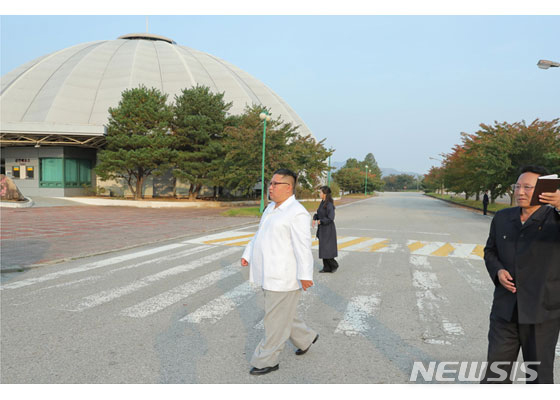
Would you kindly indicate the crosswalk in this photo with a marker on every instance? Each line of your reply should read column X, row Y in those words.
column 363, row 244
column 141, row 284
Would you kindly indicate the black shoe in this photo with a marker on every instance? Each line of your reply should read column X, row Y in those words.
column 263, row 371
column 300, row 352
column 321, row 271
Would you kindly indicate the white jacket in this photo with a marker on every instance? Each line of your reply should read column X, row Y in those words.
column 279, row 254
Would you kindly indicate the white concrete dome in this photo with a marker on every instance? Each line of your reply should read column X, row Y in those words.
column 70, row 91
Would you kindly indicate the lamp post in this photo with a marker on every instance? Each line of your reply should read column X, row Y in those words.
column 365, row 189
column 265, row 117
column 329, row 173
column 546, row 64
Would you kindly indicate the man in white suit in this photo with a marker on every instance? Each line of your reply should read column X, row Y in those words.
column 281, row 263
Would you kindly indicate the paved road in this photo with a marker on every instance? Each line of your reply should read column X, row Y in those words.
column 411, row 287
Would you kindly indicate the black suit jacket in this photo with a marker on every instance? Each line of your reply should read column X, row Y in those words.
column 531, row 254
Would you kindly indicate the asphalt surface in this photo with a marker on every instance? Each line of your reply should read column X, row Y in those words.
column 411, row 287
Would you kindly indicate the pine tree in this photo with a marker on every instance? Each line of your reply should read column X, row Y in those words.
column 138, row 139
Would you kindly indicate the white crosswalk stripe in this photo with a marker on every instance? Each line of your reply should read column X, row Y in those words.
column 92, row 266
column 221, row 306
column 428, row 300
column 170, row 297
column 109, row 295
column 355, row 318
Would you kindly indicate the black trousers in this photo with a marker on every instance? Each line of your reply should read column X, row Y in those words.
column 537, row 343
column 330, row 264
column 485, row 206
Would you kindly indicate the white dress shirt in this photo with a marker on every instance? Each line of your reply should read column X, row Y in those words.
column 279, row 254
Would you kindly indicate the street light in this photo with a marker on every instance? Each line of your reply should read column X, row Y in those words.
column 265, row 117
column 329, row 173
column 546, row 64
column 365, row 189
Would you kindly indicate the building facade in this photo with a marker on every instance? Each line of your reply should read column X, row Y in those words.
column 54, row 109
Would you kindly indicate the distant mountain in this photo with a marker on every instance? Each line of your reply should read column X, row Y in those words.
column 337, row 165
column 384, row 171
column 391, row 171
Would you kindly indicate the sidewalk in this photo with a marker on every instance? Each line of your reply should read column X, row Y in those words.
column 49, row 234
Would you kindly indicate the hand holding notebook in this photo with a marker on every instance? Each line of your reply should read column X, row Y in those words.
column 545, row 184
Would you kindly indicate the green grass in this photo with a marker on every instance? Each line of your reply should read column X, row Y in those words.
column 472, row 203
column 242, row 212
column 254, row 211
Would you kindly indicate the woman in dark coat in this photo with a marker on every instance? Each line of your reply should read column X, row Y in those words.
column 326, row 231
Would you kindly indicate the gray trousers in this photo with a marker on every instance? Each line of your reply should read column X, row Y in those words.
column 280, row 324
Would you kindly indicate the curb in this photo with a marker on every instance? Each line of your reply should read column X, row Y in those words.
column 156, row 204
column 23, row 204
column 460, row 205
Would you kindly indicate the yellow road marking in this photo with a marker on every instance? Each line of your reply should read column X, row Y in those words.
column 228, row 238
column 478, row 251
column 353, row 242
column 378, row 246
column 237, row 243
column 415, row 246
column 444, row 250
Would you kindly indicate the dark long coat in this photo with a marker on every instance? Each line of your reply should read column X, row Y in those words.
column 326, row 231
column 530, row 252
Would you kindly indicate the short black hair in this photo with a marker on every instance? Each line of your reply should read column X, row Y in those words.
column 535, row 169
column 286, row 172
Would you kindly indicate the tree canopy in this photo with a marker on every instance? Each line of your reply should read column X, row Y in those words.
column 201, row 144
column 352, row 176
column 138, row 139
column 491, row 157
column 199, row 119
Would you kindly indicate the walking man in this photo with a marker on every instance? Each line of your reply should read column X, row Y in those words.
column 522, row 256
column 281, row 262
column 485, row 201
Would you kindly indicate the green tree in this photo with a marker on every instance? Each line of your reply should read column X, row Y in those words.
column 310, row 160
column 491, row 157
column 433, row 180
column 399, row 182
column 351, row 177
column 138, row 140
column 199, row 120
column 241, row 166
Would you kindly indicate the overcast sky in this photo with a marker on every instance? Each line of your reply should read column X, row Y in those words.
column 400, row 87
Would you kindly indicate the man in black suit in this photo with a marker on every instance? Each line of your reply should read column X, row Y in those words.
column 522, row 256
column 485, row 201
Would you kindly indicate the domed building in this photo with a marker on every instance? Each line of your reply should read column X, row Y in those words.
column 53, row 110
